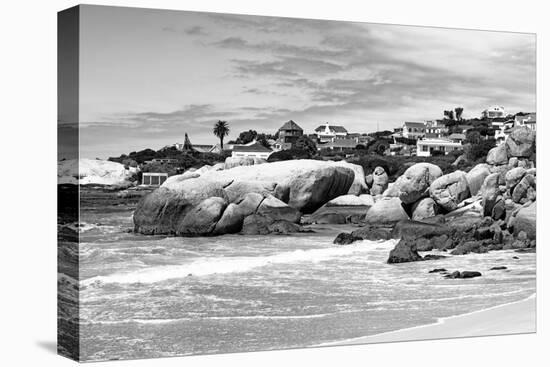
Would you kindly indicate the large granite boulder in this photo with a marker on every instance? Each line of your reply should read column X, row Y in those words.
column 415, row 182
column 525, row 190
column 491, row 194
column 379, row 181
column 526, row 221
column 425, row 208
column 521, row 142
column 93, row 172
column 359, row 185
column 387, row 210
column 202, row 219
column 513, row 177
column 289, row 187
column 476, row 176
column 498, row 155
column 450, row 190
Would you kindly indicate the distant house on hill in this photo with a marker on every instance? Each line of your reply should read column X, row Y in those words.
column 328, row 132
column 288, row 134
column 414, row 130
column 253, row 149
column 435, row 129
column 338, row 144
column 457, row 138
column 493, row 112
column 427, row 147
column 529, row 120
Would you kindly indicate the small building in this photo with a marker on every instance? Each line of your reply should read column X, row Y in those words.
column 435, row 129
column 457, row 137
column 339, row 145
column 427, row 147
column 328, row 132
column 162, row 161
column 290, row 132
column 253, row 149
column 153, row 179
column 493, row 112
column 529, row 120
column 414, row 130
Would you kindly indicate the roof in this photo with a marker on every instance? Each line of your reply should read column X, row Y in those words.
column 437, row 142
column 457, row 136
column 256, row 147
column 335, row 128
column 414, row 124
column 341, row 143
column 290, row 125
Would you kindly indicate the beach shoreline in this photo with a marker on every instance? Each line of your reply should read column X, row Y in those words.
column 517, row 317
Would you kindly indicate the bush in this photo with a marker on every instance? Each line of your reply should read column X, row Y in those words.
column 286, row 155
column 475, row 152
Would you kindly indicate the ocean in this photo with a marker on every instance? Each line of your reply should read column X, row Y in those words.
column 153, row 296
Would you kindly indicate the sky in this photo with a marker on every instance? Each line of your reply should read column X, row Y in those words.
column 147, row 77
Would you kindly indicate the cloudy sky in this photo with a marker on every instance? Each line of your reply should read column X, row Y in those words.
column 149, row 76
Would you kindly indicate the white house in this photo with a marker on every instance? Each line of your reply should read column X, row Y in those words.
column 328, row 132
column 253, row 149
column 414, row 130
column 529, row 120
column 426, row 147
column 494, row 112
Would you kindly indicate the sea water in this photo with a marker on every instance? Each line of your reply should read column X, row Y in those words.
column 152, row 296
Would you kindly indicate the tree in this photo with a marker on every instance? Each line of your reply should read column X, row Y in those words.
column 246, row 137
column 458, row 113
column 221, row 130
column 305, row 143
column 449, row 114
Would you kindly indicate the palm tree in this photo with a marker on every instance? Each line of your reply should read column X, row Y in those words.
column 221, row 130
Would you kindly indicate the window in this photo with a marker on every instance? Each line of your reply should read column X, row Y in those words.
column 424, row 148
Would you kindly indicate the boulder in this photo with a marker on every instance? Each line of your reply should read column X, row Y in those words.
column 463, row 275
column 343, row 209
column 359, row 185
column 258, row 224
column 476, row 176
column 233, row 216
column 513, row 177
column 469, row 246
column 369, row 180
column 404, row 251
column 412, row 230
column 379, row 181
column 386, row 211
column 425, row 208
column 521, row 142
column 93, row 172
column 498, row 155
column 373, row 233
column 526, row 221
column 346, row 239
column 238, row 189
column 415, row 182
column 275, row 209
column 490, row 193
column 450, row 190
column 525, row 190
column 202, row 219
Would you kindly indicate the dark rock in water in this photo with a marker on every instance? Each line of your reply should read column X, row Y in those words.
column 526, row 250
column 438, row 270
column 463, row 275
column 470, row 274
column 346, row 239
column 498, row 268
column 283, row 227
column 433, row 257
column 261, row 224
column 373, row 233
column 515, row 257
column 404, row 251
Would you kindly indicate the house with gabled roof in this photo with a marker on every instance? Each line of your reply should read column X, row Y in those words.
column 252, row 149
column 329, row 132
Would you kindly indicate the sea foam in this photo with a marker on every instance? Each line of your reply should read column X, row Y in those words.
column 224, row 265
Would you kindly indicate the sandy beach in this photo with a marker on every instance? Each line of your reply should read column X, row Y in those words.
column 512, row 318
